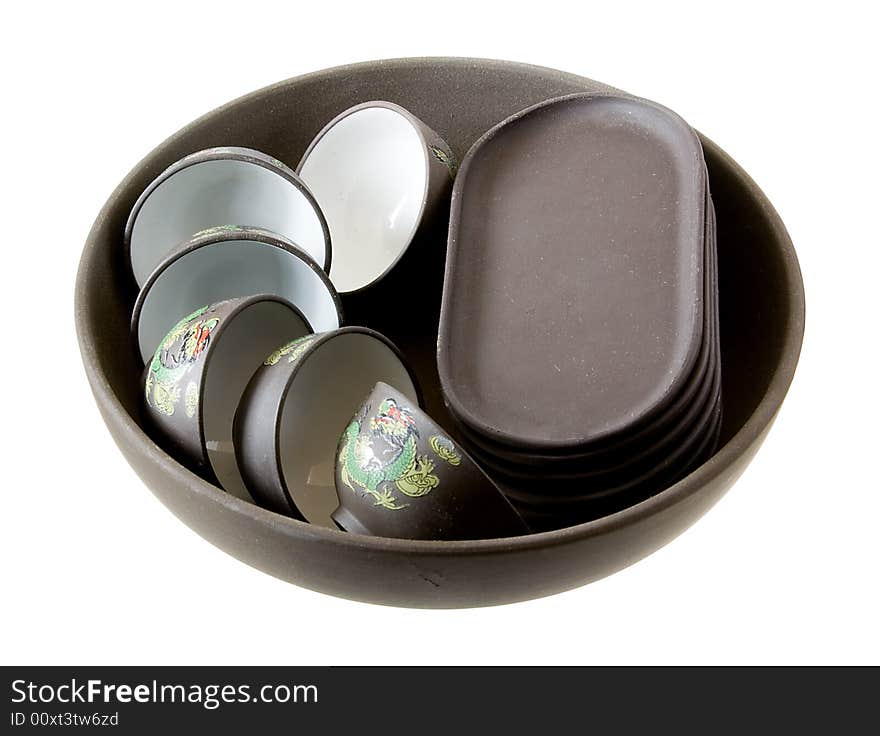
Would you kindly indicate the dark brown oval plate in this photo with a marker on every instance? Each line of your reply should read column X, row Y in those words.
column 651, row 442
column 573, row 299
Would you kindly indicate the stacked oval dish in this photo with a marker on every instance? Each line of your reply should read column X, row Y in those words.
column 579, row 348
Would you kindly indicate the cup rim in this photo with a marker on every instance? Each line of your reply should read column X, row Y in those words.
column 318, row 340
column 226, row 153
column 417, row 125
column 222, row 234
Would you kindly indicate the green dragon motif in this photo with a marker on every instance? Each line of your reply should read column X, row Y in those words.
column 174, row 358
column 293, row 350
column 445, row 449
column 445, row 158
column 385, row 457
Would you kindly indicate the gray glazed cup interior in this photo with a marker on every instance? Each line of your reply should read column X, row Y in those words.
column 225, row 262
column 761, row 316
column 223, row 186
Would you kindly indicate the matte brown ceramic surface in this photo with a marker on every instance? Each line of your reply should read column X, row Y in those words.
column 585, row 477
column 545, row 517
column 399, row 475
column 573, row 299
column 585, row 137
column 762, row 320
column 644, row 437
column 622, row 485
column 646, row 440
column 589, row 490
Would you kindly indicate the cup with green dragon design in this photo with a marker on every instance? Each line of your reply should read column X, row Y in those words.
column 197, row 373
column 288, row 421
column 399, row 475
column 381, row 177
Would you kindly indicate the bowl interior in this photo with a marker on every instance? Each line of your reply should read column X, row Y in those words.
column 757, row 298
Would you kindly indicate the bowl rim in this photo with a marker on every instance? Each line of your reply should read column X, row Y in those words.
column 225, row 153
column 718, row 465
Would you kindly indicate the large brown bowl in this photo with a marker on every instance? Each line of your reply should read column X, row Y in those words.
column 762, row 321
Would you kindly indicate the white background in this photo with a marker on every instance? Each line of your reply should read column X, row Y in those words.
column 783, row 570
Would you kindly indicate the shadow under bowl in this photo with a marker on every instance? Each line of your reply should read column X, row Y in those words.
column 761, row 320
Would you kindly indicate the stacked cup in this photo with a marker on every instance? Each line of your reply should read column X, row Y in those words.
column 231, row 254
column 250, row 377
